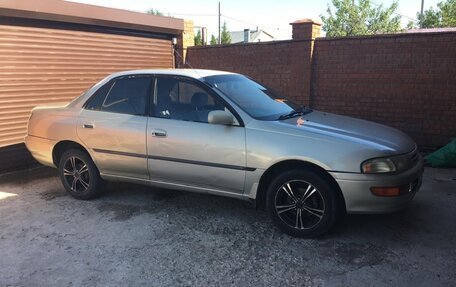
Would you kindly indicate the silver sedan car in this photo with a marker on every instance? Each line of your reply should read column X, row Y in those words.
column 226, row 134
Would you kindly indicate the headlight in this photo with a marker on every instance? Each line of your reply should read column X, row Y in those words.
column 402, row 162
column 388, row 164
column 378, row 165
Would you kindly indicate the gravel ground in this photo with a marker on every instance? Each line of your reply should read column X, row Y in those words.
column 138, row 236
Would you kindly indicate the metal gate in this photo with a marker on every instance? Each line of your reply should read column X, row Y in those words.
column 44, row 65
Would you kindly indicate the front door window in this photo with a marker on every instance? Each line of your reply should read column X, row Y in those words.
column 181, row 100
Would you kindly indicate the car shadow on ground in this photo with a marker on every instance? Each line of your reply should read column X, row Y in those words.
column 124, row 201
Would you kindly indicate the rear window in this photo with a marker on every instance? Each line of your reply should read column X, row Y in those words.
column 95, row 102
column 125, row 96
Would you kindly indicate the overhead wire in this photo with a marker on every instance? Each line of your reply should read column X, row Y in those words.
column 250, row 23
column 397, row 13
column 266, row 27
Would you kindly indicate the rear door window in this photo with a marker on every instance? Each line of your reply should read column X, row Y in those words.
column 128, row 96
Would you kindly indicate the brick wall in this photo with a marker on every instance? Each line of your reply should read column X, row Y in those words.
column 407, row 81
column 282, row 65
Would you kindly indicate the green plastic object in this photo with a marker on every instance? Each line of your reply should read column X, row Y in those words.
column 444, row 157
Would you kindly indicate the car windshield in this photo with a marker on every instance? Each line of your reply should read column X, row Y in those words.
column 258, row 101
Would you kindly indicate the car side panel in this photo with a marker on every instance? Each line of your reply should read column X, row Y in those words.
column 54, row 123
column 48, row 125
column 117, row 142
column 41, row 149
column 198, row 154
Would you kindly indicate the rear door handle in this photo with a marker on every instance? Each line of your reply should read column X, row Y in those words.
column 87, row 126
column 158, row 133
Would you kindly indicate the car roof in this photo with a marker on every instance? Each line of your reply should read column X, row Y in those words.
column 192, row 73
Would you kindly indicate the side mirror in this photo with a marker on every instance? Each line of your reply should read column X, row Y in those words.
column 220, row 118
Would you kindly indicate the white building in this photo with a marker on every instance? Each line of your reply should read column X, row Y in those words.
column 250, row 36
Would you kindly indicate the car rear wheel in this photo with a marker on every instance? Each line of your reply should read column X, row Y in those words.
column 79, row 174
column 302, row 204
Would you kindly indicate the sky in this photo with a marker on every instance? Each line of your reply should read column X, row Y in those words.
column 272, row 16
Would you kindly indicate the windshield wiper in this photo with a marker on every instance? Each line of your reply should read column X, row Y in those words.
column 294, row 113
column 290, row 115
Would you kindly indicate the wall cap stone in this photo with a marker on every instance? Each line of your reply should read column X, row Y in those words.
column 307, row 20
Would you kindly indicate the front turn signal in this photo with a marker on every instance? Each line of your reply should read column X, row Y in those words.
column 390, row 191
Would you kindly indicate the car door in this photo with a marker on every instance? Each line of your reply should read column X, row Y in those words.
column 113, row 126
column 183, row 148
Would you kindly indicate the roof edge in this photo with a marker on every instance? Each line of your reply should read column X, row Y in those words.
column 77, row 13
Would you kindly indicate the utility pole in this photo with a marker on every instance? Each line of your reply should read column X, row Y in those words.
column 204, row 36
column 219, row 36
column 421, row 14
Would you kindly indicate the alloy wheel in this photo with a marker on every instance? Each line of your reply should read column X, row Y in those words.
column 299, row 204
column 76, row 174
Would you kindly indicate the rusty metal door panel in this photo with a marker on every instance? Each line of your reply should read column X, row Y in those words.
column 43, row 65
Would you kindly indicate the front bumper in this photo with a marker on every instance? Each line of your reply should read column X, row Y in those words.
column 359, row 199
column 41, row 149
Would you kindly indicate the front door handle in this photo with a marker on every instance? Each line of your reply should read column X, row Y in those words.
column 158, row 133
column 87, row 126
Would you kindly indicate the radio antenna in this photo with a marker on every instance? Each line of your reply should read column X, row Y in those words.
column 185, row 62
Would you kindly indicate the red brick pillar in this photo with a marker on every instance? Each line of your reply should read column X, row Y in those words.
column 306, row 29
column 304, row 33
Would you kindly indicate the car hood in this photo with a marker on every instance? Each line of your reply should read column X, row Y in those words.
column 363, row 132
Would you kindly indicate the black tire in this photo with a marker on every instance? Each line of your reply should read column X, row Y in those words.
column 303, row 212
column 79, row 175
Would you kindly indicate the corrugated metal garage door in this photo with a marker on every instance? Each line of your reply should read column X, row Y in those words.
column 41, row 65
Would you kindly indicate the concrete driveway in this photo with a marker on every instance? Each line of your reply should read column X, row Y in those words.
column 133, row 236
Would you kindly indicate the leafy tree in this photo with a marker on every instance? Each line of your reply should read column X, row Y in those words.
column 198, row 39
column 225, row 35
column 213, row 40
column 448, row 10
column 429, row 19
column 154, row 12
column 443, row 16
column 347, row 18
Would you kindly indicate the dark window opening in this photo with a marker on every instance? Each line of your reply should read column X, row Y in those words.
column 95, row 102
column 181, row 100
column 128, row 96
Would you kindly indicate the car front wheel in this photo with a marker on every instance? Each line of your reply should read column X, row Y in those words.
column 79, row 174
column 302, row 204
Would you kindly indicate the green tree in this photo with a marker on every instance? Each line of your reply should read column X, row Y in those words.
column 448, row 11
column 213, row 40
column 154, row 12
column 348, row 18
column 443, row 16
column 429, row 19
column 198, row 38
column 225, row 35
